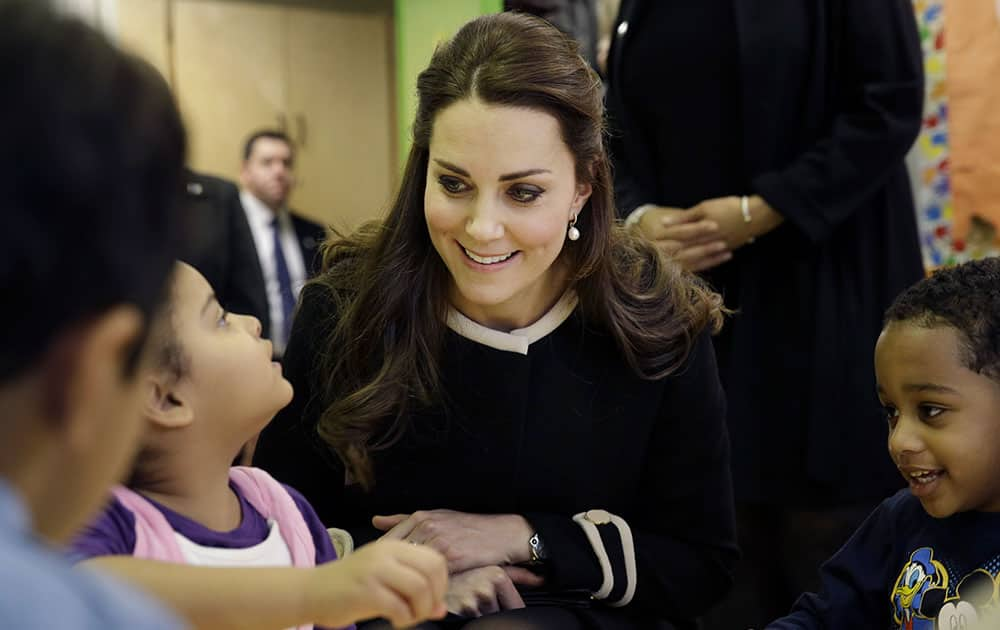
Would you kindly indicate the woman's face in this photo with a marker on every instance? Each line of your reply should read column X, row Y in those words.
column 501, row 192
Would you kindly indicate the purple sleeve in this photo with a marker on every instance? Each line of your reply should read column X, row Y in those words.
column 324, row 547
column 111, row 533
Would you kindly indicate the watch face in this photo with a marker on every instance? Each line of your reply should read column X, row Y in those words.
column 537, row 548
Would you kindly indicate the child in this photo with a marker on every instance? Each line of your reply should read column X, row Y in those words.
column 90, row 173
column 215, row 386
column 929, row 557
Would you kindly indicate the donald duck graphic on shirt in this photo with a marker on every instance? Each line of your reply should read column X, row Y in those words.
column 924, row 598
column 919, row 575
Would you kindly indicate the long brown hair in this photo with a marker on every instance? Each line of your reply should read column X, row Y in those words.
column 380, row 359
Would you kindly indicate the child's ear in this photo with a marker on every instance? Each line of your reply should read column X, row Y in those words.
column 166, row 407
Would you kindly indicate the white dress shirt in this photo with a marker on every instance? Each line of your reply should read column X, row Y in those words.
column 259, row 216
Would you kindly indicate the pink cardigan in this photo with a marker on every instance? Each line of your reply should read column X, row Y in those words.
column 155, row 540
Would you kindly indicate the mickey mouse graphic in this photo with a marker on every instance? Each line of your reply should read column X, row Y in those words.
column 973, row 604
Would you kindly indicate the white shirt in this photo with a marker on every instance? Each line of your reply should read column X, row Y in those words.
column 259, row 216
column 270, row 552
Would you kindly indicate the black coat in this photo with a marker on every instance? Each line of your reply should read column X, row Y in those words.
column 220, row 245
column 564, row 428
column 830, row 98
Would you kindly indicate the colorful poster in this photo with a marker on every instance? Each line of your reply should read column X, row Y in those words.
column 955, row 163
column 929, row 158
column 972, row 33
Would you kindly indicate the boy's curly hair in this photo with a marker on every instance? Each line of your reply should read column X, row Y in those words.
column 965, row 297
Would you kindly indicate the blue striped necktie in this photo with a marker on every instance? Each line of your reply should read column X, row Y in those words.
column 284, row 281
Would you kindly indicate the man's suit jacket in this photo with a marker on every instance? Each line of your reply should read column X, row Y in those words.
column 220, row 245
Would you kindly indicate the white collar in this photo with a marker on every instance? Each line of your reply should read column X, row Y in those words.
column 257, row 210
column 518, row 339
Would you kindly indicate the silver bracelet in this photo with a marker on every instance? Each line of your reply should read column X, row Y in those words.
column 745, row 211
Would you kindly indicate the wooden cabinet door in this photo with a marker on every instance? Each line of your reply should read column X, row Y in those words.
column 322, row 71
column 340, row 110
column 230, row 76
column 142, row 30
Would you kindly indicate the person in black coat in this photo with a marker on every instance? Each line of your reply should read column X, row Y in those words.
column 231, row 236
column 501, row 372
column 762, row 143
column 576, row 18
column 219, row 245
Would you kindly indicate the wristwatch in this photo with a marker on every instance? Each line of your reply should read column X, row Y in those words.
column 538, row 552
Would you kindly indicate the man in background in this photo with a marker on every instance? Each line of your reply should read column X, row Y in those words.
column 286, row 244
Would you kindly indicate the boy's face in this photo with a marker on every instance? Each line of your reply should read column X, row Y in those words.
column 232, row 386
column 944, row 419
column 102, row 423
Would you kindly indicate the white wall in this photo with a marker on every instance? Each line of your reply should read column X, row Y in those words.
column 101, row 14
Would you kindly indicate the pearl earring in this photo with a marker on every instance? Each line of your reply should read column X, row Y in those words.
column 572, row 233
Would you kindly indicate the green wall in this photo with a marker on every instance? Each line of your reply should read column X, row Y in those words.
column 420, row 25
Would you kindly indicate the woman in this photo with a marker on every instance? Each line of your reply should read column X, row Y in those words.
column 500, row 372
column 770, row 137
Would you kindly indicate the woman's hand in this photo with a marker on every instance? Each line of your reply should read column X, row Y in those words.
column 467, row 541
column 706, row 235
column 686, row 236
column 732, row 227
column 482, row 591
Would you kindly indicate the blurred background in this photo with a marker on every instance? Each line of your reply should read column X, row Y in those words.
column 338, row 77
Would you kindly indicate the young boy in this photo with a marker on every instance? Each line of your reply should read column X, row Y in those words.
column 213, row 386
column 90, row 171
column 929, row 557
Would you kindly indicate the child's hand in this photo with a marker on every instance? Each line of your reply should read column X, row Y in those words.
column 401, row 582
column 482, row 591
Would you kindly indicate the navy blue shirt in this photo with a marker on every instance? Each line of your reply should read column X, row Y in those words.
column 905, row 569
